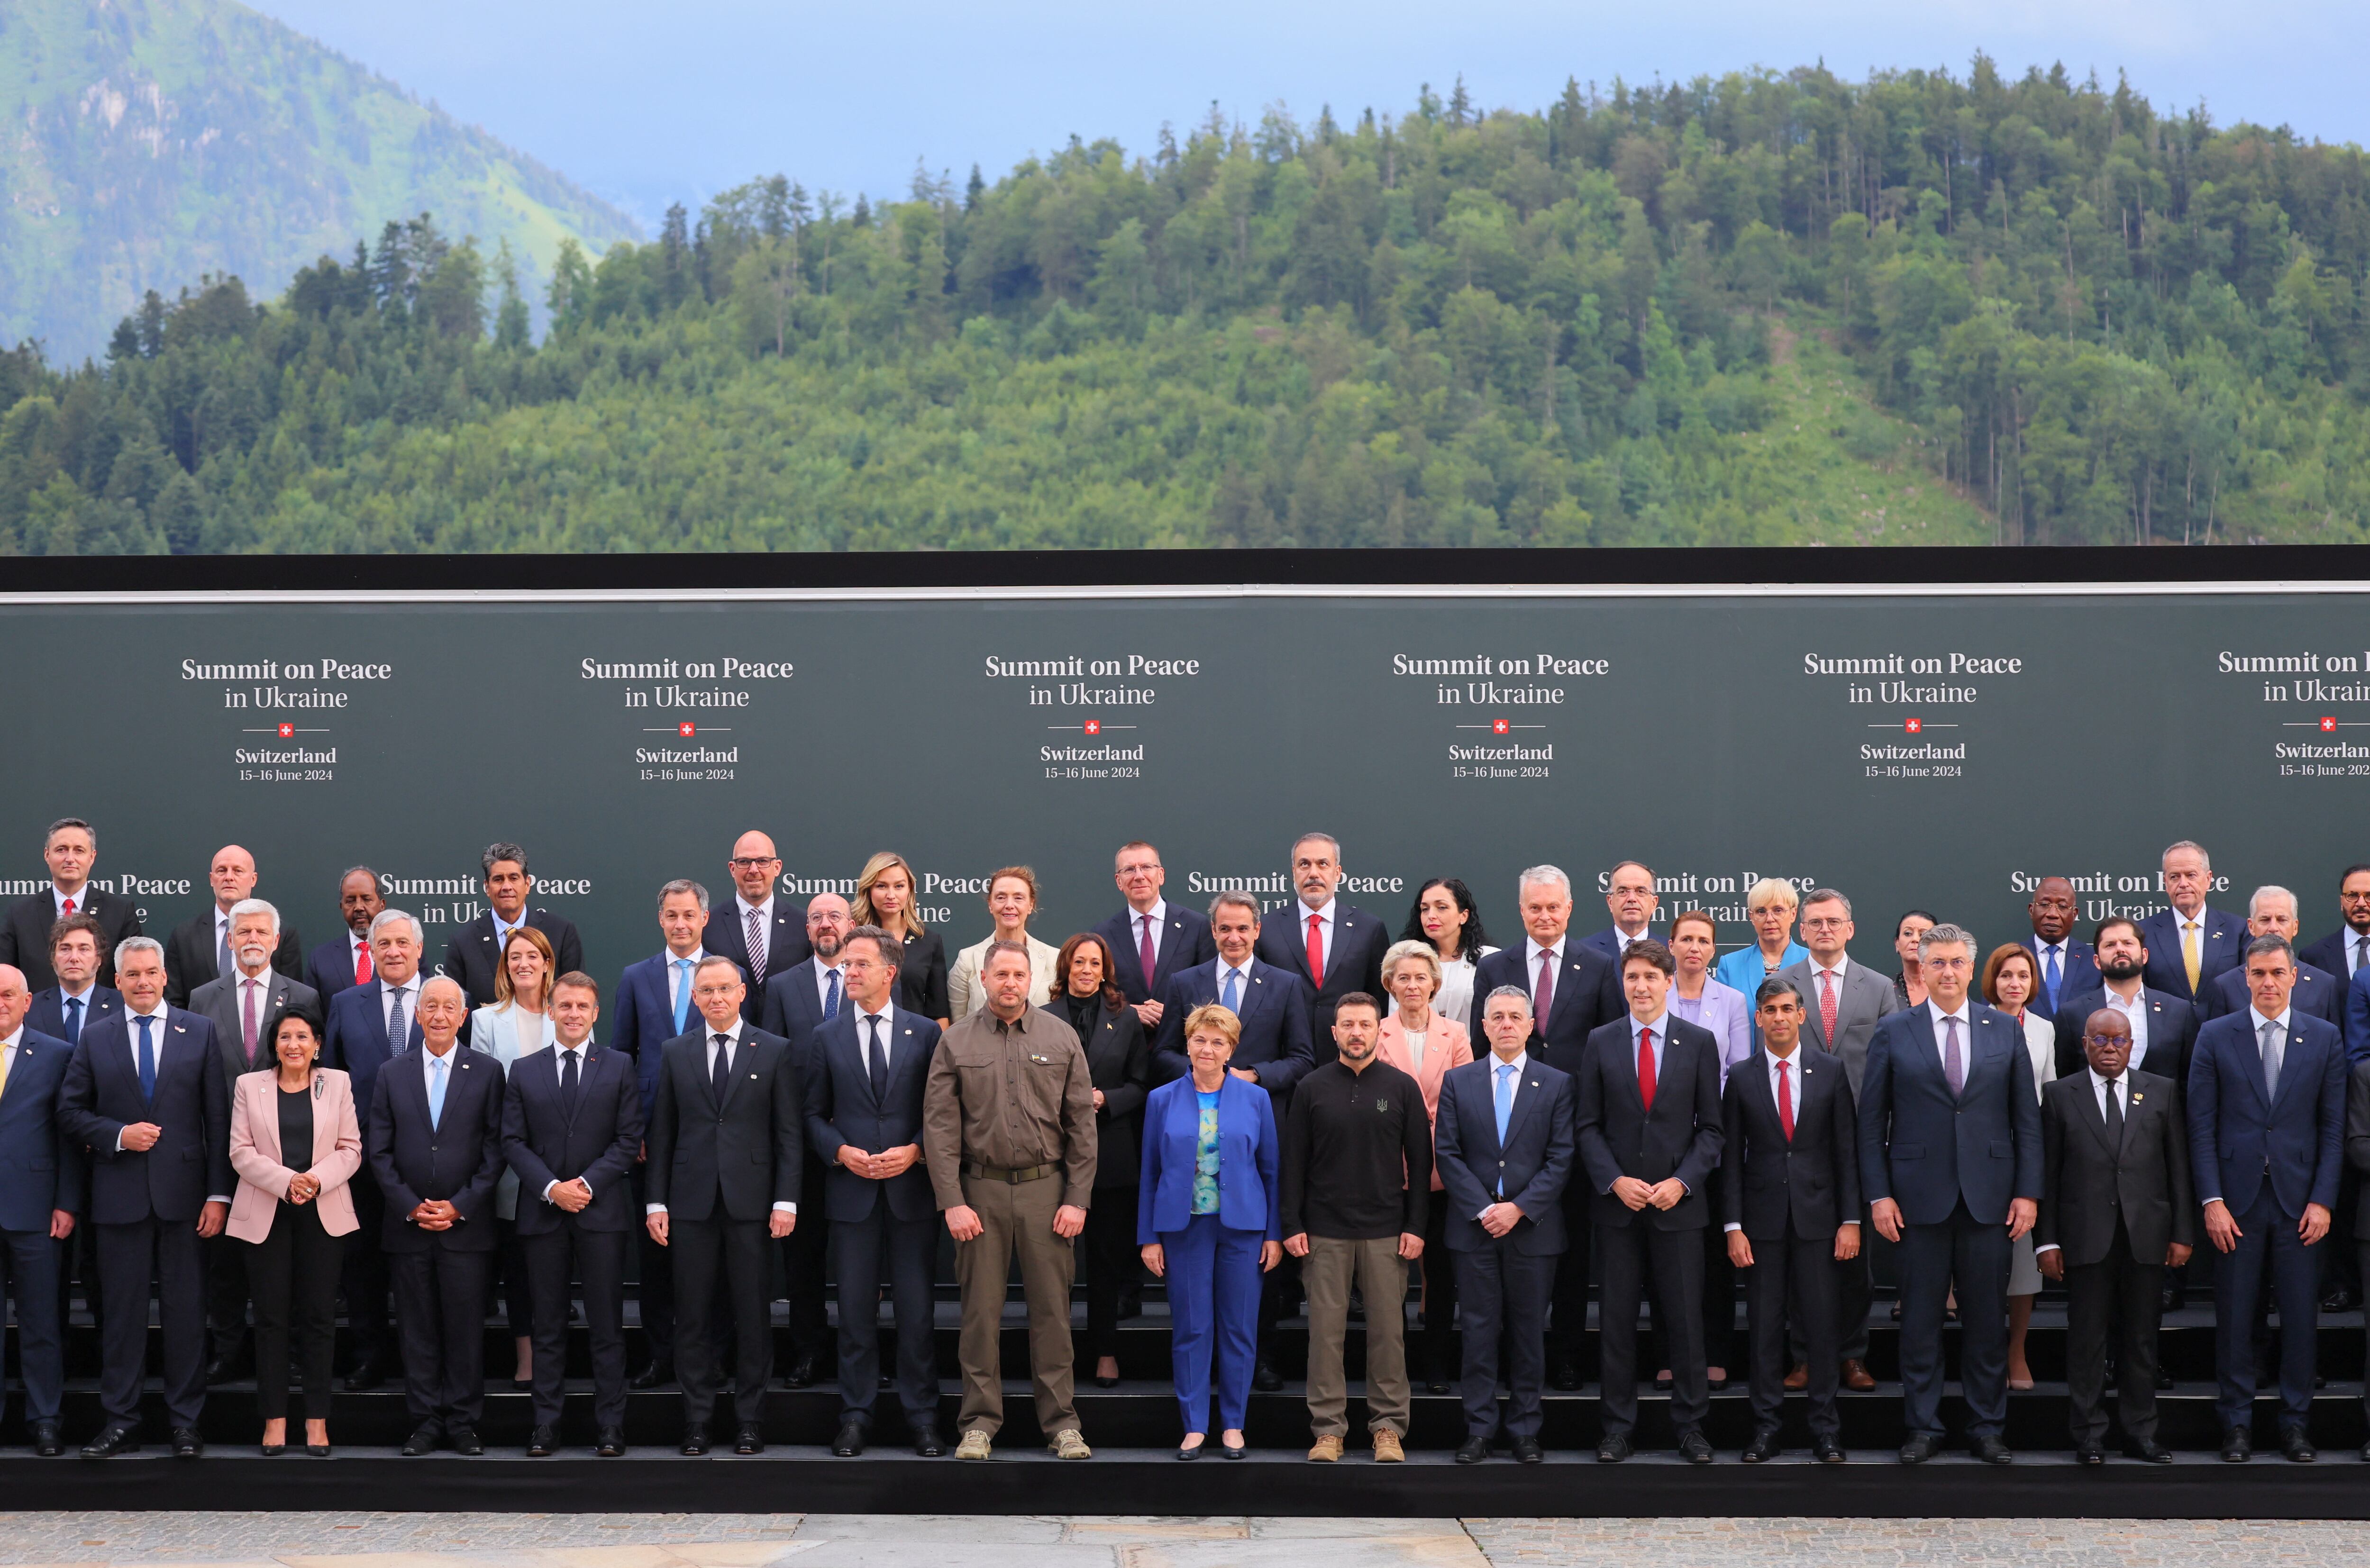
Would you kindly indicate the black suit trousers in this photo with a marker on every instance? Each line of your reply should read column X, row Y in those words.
column 130, row 1256
column 1675, row 1258
column 2114, row 1303
column 721, row 1258
column 365, row 1272
column 1504, row 1294
column 1855, row 1294
column 440, row 1312
column 597, row 1258
column 654, row 1280
column 1568, row 1324
column 806, row 1261
column 1792, row 1291
column 1112, row 1265
column 907, row 1249
column 293, row 1275
column 226, row 1291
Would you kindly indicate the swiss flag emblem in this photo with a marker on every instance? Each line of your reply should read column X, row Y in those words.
column 686, row 729
column 2328, row 723
column 288, row 731
column 1915, row 725
column 1094, row 727
column 1498, row 726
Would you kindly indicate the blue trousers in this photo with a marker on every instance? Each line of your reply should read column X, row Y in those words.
column 1932, row 1256
column 30, row 1259
column 1212, row 1275
column 2268, row 1242
column 1501, row 1299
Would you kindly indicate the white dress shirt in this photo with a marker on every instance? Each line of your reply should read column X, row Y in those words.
column 2119, row 1086
column 81, row 895
column 1158, row 916
column 869, row 1038
column 8, row 1052
column 1300, row 912
column 1242, row 987
column 2136, row 1014
column 823, row 974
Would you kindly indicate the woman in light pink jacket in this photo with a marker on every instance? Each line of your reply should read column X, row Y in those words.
column 293, row 1213
column 1425, row 1045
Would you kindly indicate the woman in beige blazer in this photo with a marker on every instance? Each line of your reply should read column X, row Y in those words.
column 1011, row 899
column 291, row 1214
column 1421, row 1042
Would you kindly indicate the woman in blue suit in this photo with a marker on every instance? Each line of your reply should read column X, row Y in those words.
column 1207, row 1217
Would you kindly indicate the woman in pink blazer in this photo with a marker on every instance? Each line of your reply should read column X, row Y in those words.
column 1424, row 1044
column 293, row 1213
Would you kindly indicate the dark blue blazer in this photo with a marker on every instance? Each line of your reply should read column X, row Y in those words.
column 2329, row 954
column 786, row 944
column 1275, row 1013
column 329, row 969
column 793, row 1009
column 2222, row 945
column 1250, row 1189
column 1680, row 1136
column 2317, row 992
column 2237, row 1142
column 1607, row 941
column 2356, row 1021
column 1184, row 942
column 2171, row 1033
column 642, row 1021
column 1534, row 1164
column 39, row 1170
column 1587, row 997
column 100, row 1097
column 1925, row 1150
column 2078, row 972
column 1354, row 963
column 841, row 1109
column 456, row 1161
column 48, row 1013
column 600, row 1143
column 356, row 1040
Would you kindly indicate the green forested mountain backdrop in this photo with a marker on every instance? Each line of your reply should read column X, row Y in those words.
column 1769, row 308
column 151, row 141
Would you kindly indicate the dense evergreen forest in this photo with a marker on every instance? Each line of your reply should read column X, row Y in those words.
column 1761, row 309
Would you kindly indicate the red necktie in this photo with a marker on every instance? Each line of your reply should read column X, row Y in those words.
column 1826, row 1010
column 363, row 965
column 1645, row 1067
column 1543, row 995
column 1143, row 954
column 68, row 910
column 1786, row 1101
column 1316, row 951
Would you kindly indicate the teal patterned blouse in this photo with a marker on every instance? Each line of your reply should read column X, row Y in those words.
column 1206, row 1157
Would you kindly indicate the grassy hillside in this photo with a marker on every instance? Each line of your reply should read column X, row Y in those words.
column 155, row 141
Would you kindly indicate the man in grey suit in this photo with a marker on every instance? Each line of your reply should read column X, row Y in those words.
column 242, row 1007
column 1843, row 1002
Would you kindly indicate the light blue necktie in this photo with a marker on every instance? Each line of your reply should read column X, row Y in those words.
column 1232, row 1000
column 831, row 998
column 435, row 1091
column 682, row 994
column 2050, row 977
column 1505, row 1113
column 147, row 1061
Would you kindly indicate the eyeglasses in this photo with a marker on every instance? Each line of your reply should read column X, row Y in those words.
column 1825, row 923
column 2106, row 1039
column 751, row 861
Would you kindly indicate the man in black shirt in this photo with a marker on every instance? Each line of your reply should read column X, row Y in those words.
column 1357, row 1170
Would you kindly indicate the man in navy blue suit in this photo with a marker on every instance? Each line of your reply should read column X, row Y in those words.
column 2068, row 966
column 800, row 998
column 2271, row 912
column 369, row 1025
column 1152, row 939
column 40, row 1190
column 344, row 961
column 2344, row 951
column 2189, row 944
column 1504, row 1146
column 1574, row 991
column 78, row 1000
column 865, row 1070
column 146, row 1095
column 1630, row 899
column 1335, row 948
column 1949, row 1159
column 2266, row 1134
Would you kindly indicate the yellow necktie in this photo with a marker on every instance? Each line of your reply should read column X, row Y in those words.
column 7, row 1056
column 2189, row 955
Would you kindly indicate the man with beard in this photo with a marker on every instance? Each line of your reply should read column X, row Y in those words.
column 345, row 961
column 799, row 1000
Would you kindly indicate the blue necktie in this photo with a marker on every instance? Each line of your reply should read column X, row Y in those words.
column 831, row 998
column 1505, row 1112
column 435, row 1091
column 682, row 995
column 73, row 1020
column 2049, row 976
column 398, row 1028
column 1232, row 1000
column 147, row 1061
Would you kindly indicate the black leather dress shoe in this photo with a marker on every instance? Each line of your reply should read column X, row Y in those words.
column 652, row 1375
column 2237, row 1445
column 927, row 1443
column 850, row 1441
column 1695, row 1447
column 2295, row 1447
column 426, row 1440
column 2089, row 1454
column 1527, row 1451
column 187, row 1444
column 464, row 1440
column 750, row 1439
column 368, row 1373
column 2172, row 1297
column 543, row 1442
column 1473, row 1450
column 1919, row 1448
column 231, row 1363
column 802, row 1373
column 2148, row 1453
column 111, row 1441
column 46, row 1442
column 2163, row 1379
column 609, row 1443
column 1826, row 1451
column 1762, row 1446
column 1990, row 1449
column 1612, row 1448
column 2341, row 1298
column 1265, row 1378
column 694, row 1438
column 1563, row 1374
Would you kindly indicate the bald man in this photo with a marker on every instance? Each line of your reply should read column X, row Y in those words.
column 38, row 1201
column 763, row 933
column 202, row 948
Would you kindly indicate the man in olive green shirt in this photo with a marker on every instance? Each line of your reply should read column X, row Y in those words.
column 1008, row 1133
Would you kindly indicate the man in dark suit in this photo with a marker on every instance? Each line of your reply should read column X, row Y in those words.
column 2271, row 912
column 1152, row 939
column 476, row 950
column 763, row 933
column 435, row 1143
column 40, row 1190
column 800, row 998
column 571, row 1128
column 2357, row 1157
column 1335, row 948
column 725, row 1145
column 1648, row 1128
column 1504, row 1147
column 2189, row 944
column 1630, row 896
column 1790, row 1203
column 200, row 949
column 2068, row 966
column 1574, row 992
column 243, row 1009
column 2163, row 1027
column 2344, row 951
column 2266, row 1132
column 77, row 1000
column 371, row 1024
column 865, row 1072
column 1950, row 1157
column 71, row 849
column 2116, row 1211
column 345, row 961
column 144, row 1094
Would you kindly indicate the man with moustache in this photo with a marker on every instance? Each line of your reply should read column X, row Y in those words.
column 2067, row 967
column 1334, row 947
column 345, row 961
column 201, row 950
column 2344, row 951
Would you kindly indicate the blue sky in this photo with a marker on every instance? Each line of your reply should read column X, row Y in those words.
column 647, row 104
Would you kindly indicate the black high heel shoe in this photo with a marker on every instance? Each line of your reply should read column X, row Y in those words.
column 318, row 1451
column 274, row 1450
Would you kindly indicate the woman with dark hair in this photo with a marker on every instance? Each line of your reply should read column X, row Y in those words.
column 2011, row 978
column 1444, row 917
column 884, row 897
column 1119, row 1064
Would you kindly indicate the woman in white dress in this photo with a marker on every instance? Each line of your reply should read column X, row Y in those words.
column 2011, row 978
column 1444, row 916
column 515, row 1024
column 1011, row 899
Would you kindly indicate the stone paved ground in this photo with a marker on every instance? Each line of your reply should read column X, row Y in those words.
column 820, row 1541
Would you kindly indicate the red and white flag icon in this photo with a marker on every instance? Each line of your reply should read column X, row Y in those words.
column 287, row 732
column 2327, row 725
column 1498, row 726
column 686, row 729
column 1094, row 727
column 1915, row 725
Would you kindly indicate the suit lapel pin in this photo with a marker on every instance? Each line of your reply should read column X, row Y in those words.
column 2137, row 1097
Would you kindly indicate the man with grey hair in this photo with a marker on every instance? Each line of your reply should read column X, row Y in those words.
column 70, row 846
column 476, row 951
column 1335, row 948
column 368, row 1026
column 2271, row 912
column 200, row 950
column 2190, row 944
column 1950, row 1160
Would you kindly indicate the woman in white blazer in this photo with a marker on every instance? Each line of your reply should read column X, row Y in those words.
column 2012, row 978
column 1424, row 1044
column 517, row 1025
column 295, row 1143
column 1011, row 898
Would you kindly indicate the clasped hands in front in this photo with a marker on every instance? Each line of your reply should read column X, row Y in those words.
column 1636, row 1193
